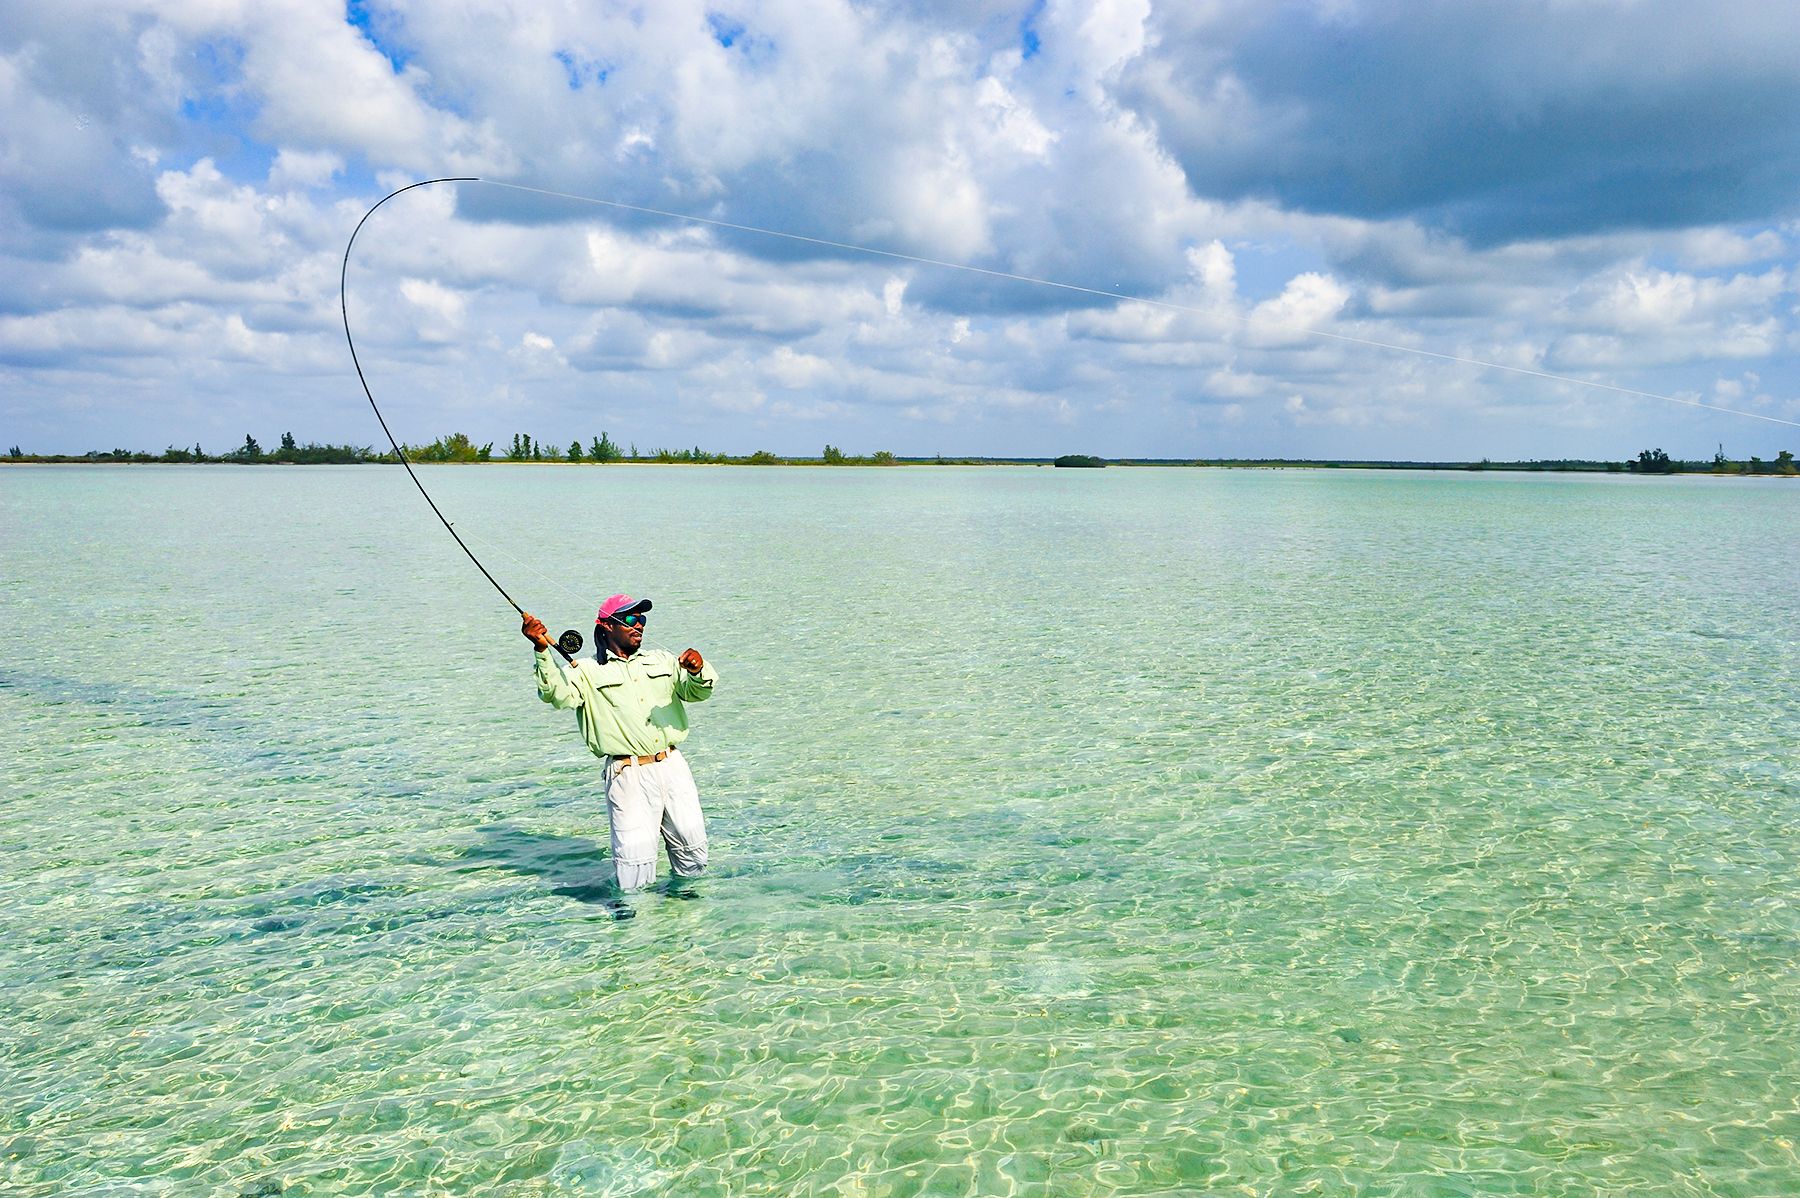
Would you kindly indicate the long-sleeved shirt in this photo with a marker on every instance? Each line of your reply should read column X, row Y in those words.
column 628, row 706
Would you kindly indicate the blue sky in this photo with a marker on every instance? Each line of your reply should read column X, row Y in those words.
column 1601, row 189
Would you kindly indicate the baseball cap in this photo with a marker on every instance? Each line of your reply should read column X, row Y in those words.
column 620, row 605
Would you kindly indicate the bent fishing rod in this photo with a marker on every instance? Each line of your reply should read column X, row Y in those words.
column 570, row 642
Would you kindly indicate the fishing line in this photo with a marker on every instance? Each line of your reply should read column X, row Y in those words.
column 491, row 546
column 1169, row 305
column 563, row 645
column 495, row 547
column 549, row 581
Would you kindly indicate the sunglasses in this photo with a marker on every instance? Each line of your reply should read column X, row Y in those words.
column 636, row 619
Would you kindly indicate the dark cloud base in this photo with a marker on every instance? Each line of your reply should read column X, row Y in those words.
column 1497, row 122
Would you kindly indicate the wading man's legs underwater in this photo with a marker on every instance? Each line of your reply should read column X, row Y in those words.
column 629, row 705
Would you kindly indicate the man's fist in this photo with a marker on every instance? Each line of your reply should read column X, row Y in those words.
column 534, row 631
column 691, row 661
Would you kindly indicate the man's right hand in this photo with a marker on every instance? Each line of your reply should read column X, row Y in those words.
column 535, row 632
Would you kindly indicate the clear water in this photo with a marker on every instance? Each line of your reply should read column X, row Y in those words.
column 1118, row 832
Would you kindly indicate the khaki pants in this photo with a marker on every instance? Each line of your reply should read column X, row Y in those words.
column 645, row 801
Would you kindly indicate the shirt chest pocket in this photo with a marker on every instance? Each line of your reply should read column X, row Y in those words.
column 659, row 692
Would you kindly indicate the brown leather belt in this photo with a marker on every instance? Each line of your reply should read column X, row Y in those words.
column 649, row 760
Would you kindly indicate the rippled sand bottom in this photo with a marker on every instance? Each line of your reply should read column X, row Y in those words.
column 1123, row 832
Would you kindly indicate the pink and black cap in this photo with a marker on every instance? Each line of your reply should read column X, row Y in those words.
column 620, row 605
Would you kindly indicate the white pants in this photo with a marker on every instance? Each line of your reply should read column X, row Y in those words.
column 643, row 801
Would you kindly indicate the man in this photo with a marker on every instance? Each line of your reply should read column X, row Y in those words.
column 629, row 705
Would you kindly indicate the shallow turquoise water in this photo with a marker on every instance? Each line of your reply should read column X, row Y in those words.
column 1135, row 831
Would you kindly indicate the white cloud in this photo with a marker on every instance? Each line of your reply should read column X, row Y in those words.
column 1233, row 384
column 1659, row 301
column 1706, row 249
column 441, row 309
column 1013, row 125
column 893, row 296
column 304, row 169
column 537, row 356
column 1663, row 317
column 1308, row 302
column 794, row 370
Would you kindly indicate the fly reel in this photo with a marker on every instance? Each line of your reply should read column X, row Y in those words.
column 570, row 643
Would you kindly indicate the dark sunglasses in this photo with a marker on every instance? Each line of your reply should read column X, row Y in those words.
column 636, row 619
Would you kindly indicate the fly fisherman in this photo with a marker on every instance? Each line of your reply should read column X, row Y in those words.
column 629, row 705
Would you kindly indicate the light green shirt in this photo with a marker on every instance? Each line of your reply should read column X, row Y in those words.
column 628, row 707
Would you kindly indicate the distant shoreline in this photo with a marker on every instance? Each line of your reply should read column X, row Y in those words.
column 1708, row 469
column 461, row 450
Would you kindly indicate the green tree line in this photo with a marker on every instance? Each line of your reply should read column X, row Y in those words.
column 453, row 448
column 1655, row 461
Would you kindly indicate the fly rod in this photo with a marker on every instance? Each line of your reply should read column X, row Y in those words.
column 570, row 642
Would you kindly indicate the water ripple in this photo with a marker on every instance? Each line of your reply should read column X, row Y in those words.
column 1165, row 832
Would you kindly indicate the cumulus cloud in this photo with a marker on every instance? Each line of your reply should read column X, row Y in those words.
column 1665, row 317
column 1306, row 304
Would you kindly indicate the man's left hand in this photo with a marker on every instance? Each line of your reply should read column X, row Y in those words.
column 691, row 661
